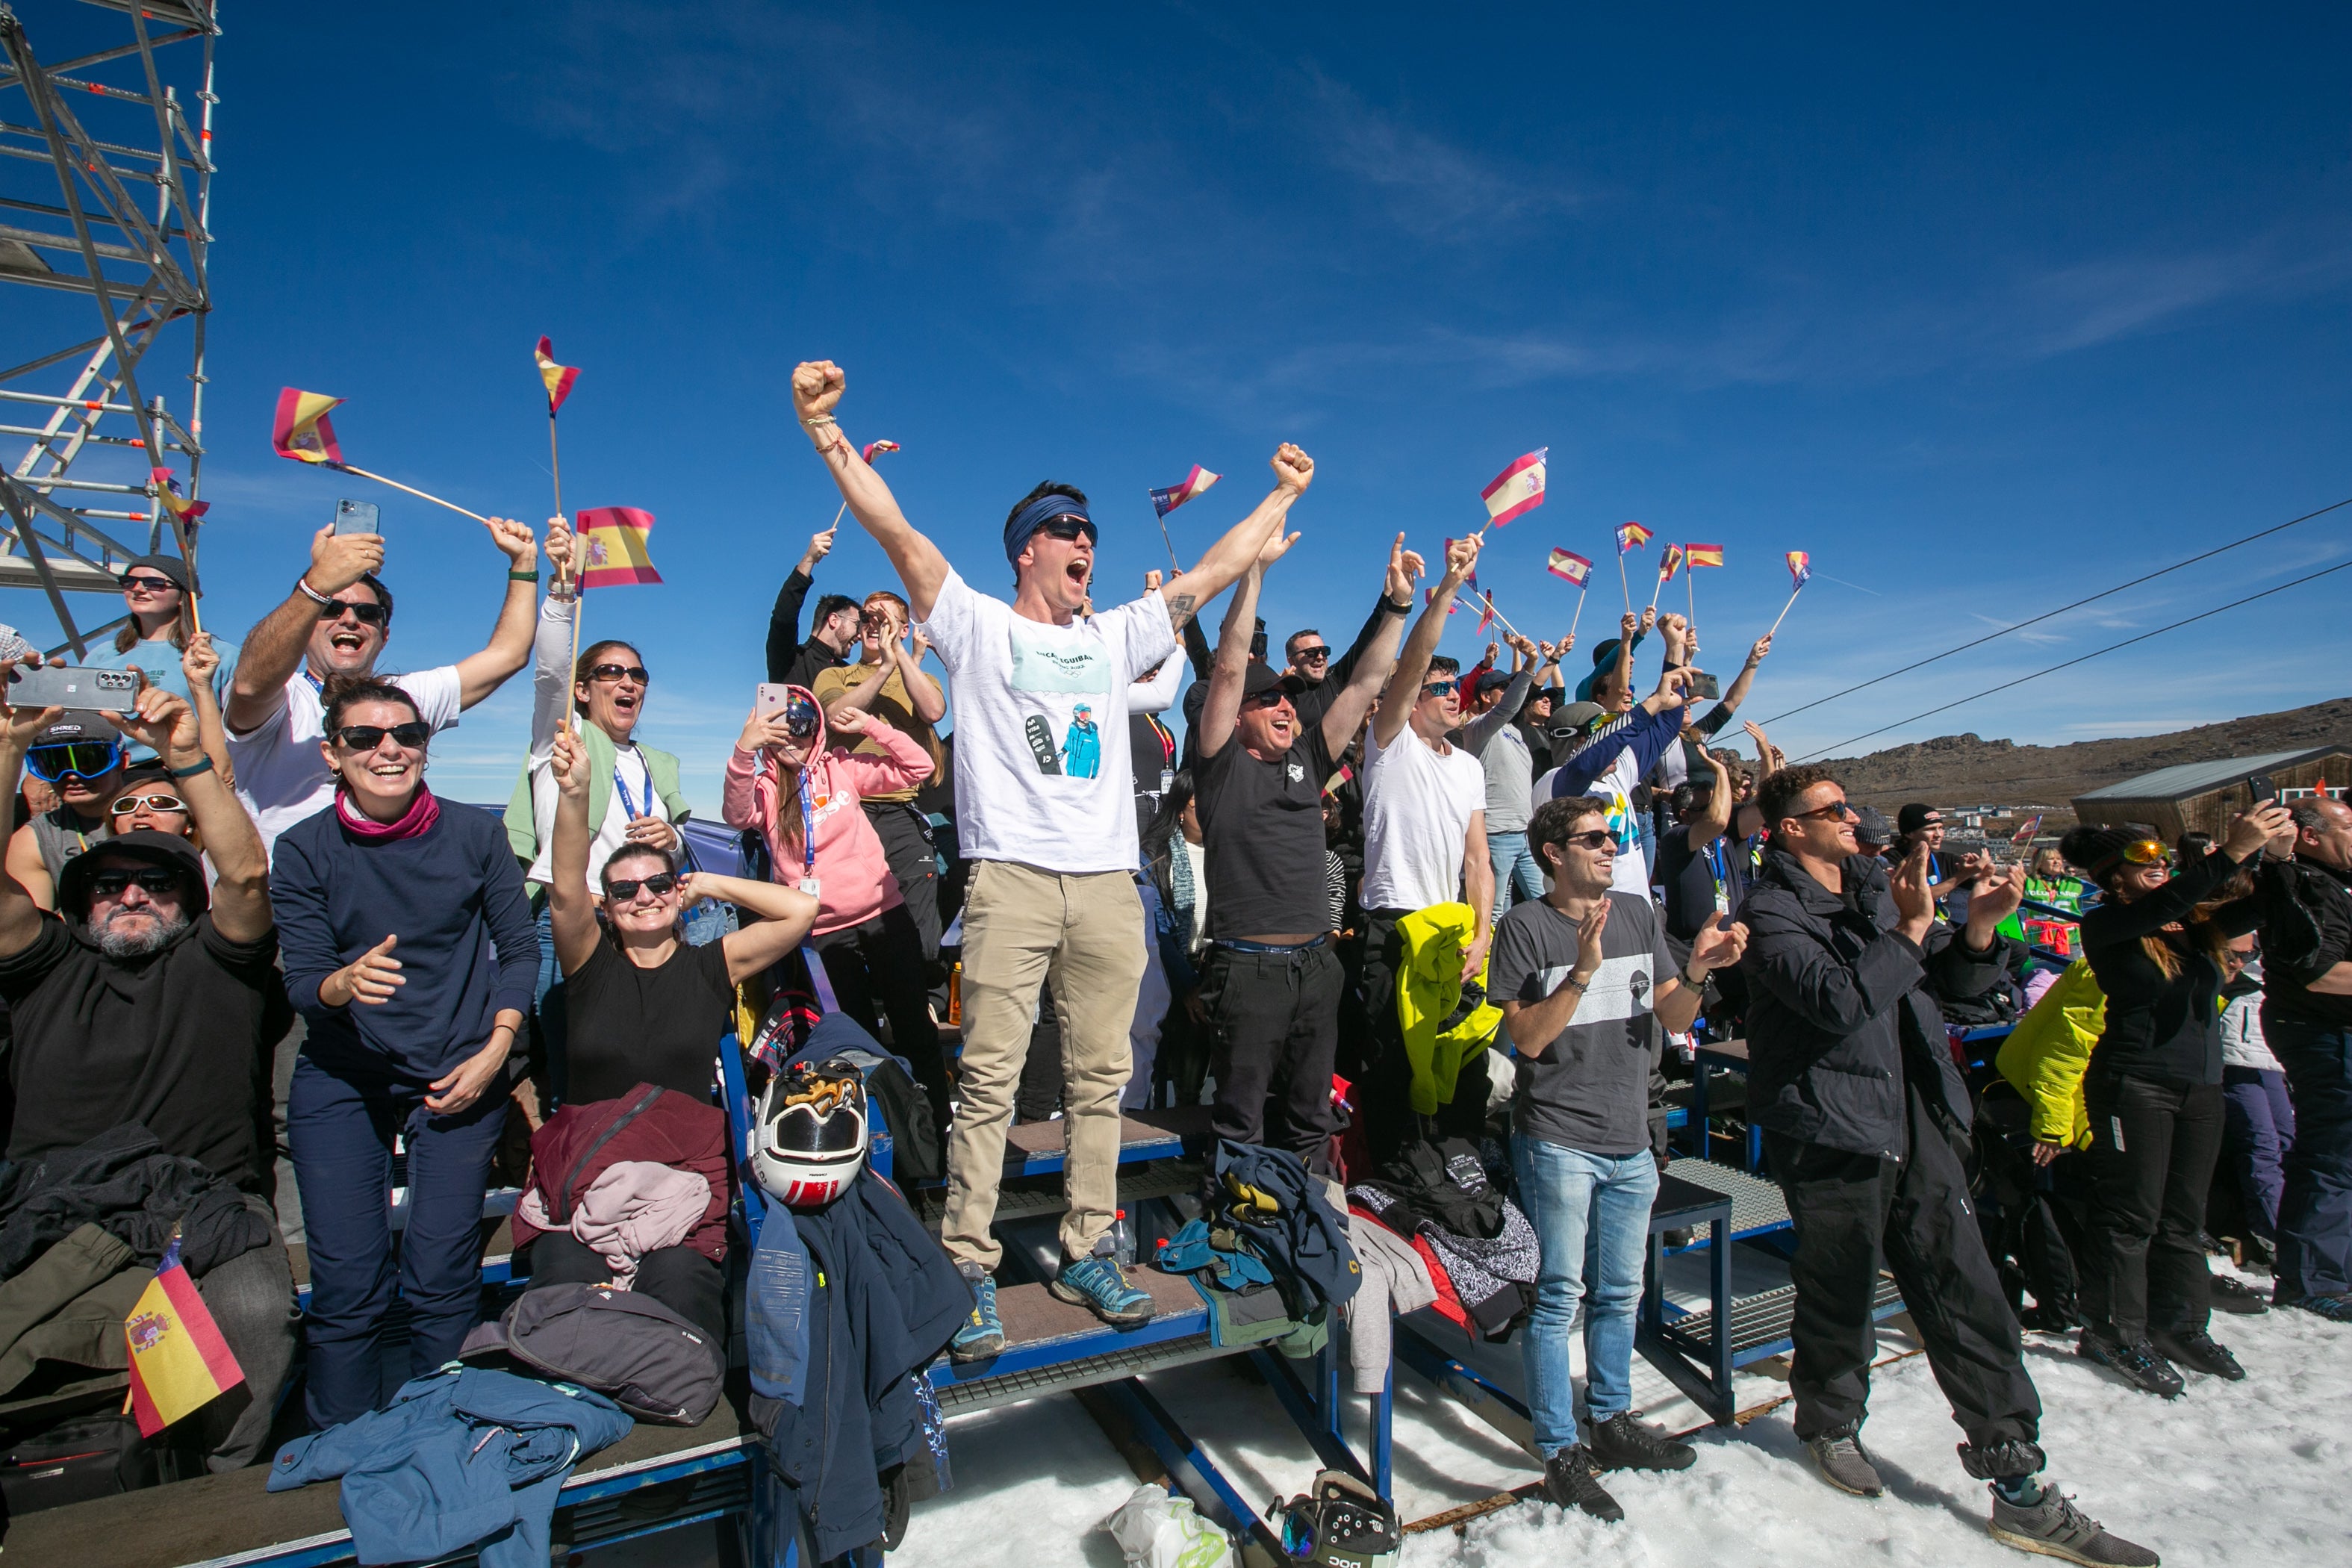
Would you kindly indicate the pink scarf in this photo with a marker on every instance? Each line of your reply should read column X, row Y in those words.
column 422, row 814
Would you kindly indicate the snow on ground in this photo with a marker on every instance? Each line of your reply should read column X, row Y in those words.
column 2258, row 1472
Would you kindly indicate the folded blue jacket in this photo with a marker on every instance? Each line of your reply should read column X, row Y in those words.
column 463, row 1459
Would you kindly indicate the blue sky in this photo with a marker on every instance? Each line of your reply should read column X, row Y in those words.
column 1984, row 312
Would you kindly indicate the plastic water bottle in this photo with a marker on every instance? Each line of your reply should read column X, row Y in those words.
column 1122, row 1237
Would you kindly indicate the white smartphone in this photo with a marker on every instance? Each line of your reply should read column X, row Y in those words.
column 355, row 516
column 770, row 702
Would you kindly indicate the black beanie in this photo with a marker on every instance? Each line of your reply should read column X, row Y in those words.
column 2095, row 851
column 1912, row 817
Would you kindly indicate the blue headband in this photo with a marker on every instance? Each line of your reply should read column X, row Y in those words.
column 1036, row 515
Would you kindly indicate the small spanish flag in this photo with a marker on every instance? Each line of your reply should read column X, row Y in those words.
column 1486, row 611
column 1670, row 563
column 1169, row 497
column 1801, row 569
column 301, row 431
column 559, row 378
column 1631, row 536
column 1703, row 556
column 167, row 490
column 1429, row 597
column 873, row 449
column 1517, row 489
column 179, row 1363
column 1568, row 564
column 612, row 539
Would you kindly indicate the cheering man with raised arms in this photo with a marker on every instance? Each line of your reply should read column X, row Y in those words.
column 1047, row 816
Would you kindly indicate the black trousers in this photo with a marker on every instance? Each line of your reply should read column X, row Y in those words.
column 2153, row 1145
column 1273, row 1026
column 882, row 961
column 677, row 1277
column 907, row 847
column 1858, row 1212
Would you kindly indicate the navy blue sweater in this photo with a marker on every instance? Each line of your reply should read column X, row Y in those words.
column 468, row 945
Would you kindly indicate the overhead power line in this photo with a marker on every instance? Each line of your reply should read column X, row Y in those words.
column 2207, row 615
column 2061, row 610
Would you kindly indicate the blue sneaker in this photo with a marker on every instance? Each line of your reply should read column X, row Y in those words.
column 2335, row 1308
column 983, row 1334
column 1099, row 1285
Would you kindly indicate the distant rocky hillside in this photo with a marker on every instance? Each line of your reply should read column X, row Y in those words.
column 1955, row 769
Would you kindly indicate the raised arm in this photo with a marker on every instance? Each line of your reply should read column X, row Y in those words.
column 1227, row 559
column 1746, row 681
column 1404, row 689
column 508, row 649
column 780, row 917
column 817, row 386
column 1223, row 704
column 552, row 683
column 1374, row 653
column 274, row 648
column 570, row 908
column 1716, row 820
column 20, row 916
column 200, row 664
column 240, row 865
column 784, row 620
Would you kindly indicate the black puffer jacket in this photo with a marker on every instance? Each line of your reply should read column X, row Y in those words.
column 1838, row 1004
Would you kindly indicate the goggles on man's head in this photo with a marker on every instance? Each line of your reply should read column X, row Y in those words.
column 73, row 759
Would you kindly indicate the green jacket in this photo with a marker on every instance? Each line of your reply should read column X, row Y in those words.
column 522, row 821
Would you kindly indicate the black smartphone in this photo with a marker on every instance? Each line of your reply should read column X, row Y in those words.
column 1705, row 687
column 2263, row 788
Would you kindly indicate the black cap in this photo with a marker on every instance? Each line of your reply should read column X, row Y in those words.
column 1493, row 680
column 78, row 724
column 166, row 849
column 170, row 566
column 1913, row 816
column 1259, row 677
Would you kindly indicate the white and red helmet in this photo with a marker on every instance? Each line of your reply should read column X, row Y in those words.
column 812, row 1134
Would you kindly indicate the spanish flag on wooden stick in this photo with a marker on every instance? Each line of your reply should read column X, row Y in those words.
column 1703, row 554
column 300, row 431
column 559, row 378
column 179, row 1363
column 613, row 547
column 167, row 490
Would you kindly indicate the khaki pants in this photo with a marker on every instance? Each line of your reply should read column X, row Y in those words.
column 1083, row 936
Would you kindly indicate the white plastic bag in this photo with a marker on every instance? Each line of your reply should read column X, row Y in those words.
column 1157, row 1530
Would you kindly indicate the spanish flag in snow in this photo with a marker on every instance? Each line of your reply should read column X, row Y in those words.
column 300, row 431
column 179, row 1363
column 559, row 378
column 1518, row 489
column 1703, row 556
column 613, row 546
column 1631, row 536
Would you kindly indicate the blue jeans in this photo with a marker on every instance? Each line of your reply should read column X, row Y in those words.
column 1518, row 880
column 342, row 1122
column 1591, row 1217
column 2315, row 1216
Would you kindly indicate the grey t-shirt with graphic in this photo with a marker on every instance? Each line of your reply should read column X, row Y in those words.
column 1590, row 1089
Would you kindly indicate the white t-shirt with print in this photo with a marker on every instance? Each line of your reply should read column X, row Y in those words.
column 1616, row 787
column 1417, row 811
column 1042, row 770
column 282, row 778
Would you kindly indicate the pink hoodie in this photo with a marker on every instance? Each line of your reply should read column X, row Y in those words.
column 854, row 881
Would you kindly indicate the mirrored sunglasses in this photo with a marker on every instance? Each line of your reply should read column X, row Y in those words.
column 131, row 802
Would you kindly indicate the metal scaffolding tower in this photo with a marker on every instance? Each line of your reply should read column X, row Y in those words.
column 114, row 210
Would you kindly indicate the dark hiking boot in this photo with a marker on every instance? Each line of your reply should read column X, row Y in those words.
column 2199, row 1352
column 2054, row 1527
column 2231, row 1296
column 2335, row 1308
column 983, row 1334
column 1569, row 1481
column 1621, row 1443
column 2138, row 1364
column 1840, row 1457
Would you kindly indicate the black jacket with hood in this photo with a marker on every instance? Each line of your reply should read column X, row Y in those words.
column 1839, row 1007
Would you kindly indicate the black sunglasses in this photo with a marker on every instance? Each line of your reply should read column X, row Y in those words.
column 1836, row 811
column 636, row 672
column 368, row 737
column 150, row 879
column 658, row 885
column 1272, row 697
column 132, row 584
column 369, row 614
column 1593, row 838
column 1067, row 528
column 131, row 802
column 1318, row 654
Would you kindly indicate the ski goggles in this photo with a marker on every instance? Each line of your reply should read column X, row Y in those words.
column 73, row 759
column 799, row 717
column 2140, row 852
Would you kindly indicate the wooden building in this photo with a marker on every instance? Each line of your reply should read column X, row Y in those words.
column 2203, row 796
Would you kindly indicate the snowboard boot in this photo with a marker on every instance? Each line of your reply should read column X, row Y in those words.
column 1838, row 1454
column 2199, row 1352
column 1569, row 1481
column 2231, row 1296
column 2138, row 1364
column 2054, row 1527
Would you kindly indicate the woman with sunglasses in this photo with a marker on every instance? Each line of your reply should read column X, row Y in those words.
column 410, row 952
column 156, row 632
column 797, row 780
column 643, row 1007
column 2153, row 1092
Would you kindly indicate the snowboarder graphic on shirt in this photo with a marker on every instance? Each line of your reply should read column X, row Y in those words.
column 1082, row 747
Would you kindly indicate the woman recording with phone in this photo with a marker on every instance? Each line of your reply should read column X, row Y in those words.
column 2153, row 1092
column 409, row 949
column 788, row 779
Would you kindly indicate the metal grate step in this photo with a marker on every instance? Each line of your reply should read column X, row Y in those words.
column 962, row 1399
column 1763, row 1319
